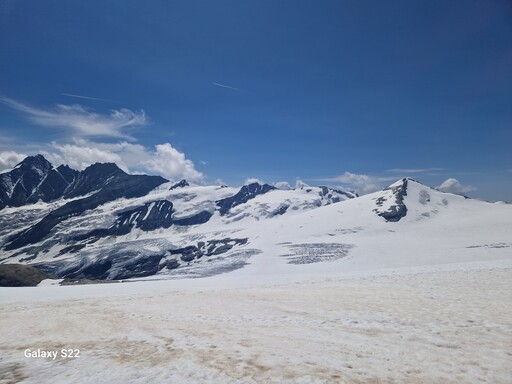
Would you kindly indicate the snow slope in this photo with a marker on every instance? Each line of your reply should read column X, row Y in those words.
column 423, row 325
column 406, row 285
column 438, row 228
column 407, row 224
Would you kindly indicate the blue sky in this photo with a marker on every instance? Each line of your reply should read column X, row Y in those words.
column 350, row 93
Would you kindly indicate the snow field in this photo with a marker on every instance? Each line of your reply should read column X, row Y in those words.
column 450, row 325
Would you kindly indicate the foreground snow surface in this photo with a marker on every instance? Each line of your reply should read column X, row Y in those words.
column 433, row 324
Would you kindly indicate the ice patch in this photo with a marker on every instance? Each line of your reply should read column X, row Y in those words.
column 317, row 252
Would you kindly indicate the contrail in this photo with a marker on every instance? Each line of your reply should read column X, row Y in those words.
column 84, row 97
column 228, row 87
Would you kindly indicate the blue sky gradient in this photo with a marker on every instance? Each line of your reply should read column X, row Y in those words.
column 351, row 93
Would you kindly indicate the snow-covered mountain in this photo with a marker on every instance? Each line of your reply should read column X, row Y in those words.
column 103, row 223
column 342, row 282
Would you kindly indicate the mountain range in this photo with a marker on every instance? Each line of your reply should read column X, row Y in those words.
column 102, row 223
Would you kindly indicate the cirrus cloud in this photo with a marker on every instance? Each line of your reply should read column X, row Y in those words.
column 81, row 121
column 414, row 170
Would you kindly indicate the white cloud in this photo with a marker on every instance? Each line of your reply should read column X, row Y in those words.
column 454, row 186
column 172, row 164
column 282, row 185
column 81, row 156
column 251, row 180
column 8, row 159
column 81, row 150
column 361, row 183
column 131, row 158
column 82, row 121
column 300, row 184
column 132, row 154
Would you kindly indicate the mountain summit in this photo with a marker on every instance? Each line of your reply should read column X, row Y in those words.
column 32, row 180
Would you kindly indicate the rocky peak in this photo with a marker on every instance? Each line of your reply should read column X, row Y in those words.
column 37, row 162
column 93, row 178
column 336, row 194
column 391, row 206
column 246, row 193
column 181, row 184
column 21, row 185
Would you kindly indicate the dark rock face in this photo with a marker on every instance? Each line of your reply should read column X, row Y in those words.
column 71, row 249
column 16, row 275
column 199, row 218
column 331, row 194
column 55, row 184
column 210, row 248
column 246, row 193
column 397, row 210
column 119, row 263
column 181, row 184
column 94, row 178
column 67, row 173
column 150, row 216
column 117, row 185
column 188, row 253
column 281, row 210
column 95, row 271
column 172, row 264
column 34, row 179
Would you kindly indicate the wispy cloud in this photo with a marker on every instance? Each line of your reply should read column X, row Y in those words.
column 228, row 87
column 84, row 146
column 361, row 183
column 82, row 121
column 83, row 97
column 414, row 170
